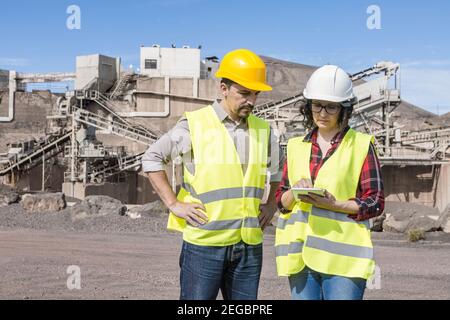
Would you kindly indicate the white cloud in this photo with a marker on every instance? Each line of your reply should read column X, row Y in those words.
column 436, row 63
column 426, row 87
column 14, row 62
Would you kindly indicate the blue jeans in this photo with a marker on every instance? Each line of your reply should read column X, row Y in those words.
column 235, row 270
column 311, row 285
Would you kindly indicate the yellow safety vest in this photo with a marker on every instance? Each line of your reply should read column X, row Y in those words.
column 231, row 198
column 326, row 241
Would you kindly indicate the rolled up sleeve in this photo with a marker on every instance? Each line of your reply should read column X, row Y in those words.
column 370, row 193
column 174, row 143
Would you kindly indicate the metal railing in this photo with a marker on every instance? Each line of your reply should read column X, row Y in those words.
column 33, row 159
column 110, row 107
column 123, row 164
column 114, row 127
column 120, row 85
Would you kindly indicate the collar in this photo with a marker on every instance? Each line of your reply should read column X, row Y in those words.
column 222, row 114
column 312, row 136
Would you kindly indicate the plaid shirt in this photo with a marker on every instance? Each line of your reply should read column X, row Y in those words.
column 369, row 196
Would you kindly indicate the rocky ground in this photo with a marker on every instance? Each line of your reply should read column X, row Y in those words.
column 14, row 217
column 130, row 255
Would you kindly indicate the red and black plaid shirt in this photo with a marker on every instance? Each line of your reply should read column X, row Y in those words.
column 369, row 196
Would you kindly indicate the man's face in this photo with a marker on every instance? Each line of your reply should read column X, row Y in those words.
column 239, row 100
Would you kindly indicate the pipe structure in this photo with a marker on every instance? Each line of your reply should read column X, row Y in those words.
column 167, row 95
column 12, row 92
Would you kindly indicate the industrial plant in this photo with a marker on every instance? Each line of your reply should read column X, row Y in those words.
column 90, row 140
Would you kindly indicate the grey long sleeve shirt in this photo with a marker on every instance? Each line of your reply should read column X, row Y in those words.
column 177, row 143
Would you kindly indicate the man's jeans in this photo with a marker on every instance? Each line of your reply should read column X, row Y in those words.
column 235, row 270
column 311, row 285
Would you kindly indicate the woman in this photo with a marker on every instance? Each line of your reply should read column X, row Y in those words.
column 323, row 243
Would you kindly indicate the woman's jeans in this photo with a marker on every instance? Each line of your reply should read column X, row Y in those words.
column 311, row 285
column 235, row 270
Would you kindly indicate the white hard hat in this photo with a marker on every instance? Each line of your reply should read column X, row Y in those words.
column 329, row 83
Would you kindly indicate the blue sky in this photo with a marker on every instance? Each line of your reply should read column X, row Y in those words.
column 414, row 33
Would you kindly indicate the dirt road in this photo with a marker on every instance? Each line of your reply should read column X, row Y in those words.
column 33, row 265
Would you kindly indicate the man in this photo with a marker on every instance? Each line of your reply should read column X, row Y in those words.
column 226, row 155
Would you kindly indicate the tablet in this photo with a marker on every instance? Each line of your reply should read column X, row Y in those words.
column 305, row 191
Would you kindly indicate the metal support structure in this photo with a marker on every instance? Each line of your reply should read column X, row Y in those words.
column 372, row 114
column 73, row 148
column 43, row 173
column 32, row 159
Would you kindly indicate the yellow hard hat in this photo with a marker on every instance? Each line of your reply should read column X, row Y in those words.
column 245, row 68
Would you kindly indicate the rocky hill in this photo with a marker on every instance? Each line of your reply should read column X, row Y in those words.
column 289, row 78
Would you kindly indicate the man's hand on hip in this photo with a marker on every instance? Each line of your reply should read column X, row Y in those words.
column 189, row 212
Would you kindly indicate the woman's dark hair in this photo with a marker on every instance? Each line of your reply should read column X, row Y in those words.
column 308, row 120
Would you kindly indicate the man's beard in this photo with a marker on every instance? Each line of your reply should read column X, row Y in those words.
column 245, row 106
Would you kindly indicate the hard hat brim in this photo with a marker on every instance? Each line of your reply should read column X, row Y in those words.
column 325, row 97
column 257, row 86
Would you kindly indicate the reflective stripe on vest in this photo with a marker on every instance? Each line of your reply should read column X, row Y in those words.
column 339, row 248
column 224, row 194
column 291, row 248
column 299, row 216
column 231, row 224
column 333, row 242
column 231, row 198
column 318, row 212
column 287, row 249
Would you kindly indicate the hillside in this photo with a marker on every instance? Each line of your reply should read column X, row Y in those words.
column 289, row 78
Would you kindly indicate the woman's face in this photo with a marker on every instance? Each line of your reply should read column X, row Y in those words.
column 325, row 114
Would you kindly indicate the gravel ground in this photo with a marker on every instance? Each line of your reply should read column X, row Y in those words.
column 13, row 216
column 121, row 258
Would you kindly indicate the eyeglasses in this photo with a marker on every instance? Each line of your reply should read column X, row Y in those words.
column 330, row 108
